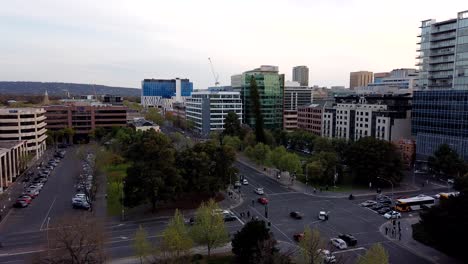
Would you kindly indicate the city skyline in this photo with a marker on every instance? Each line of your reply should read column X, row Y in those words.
column 118, row 43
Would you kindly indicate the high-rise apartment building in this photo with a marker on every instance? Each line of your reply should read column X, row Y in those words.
column 301, row 75
column 440, row 104
column 162, row 93
column 397, row 81
column 360, row 78
column 208, row 109
column 270, row 86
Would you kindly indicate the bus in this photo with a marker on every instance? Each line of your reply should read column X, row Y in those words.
column 414, row 203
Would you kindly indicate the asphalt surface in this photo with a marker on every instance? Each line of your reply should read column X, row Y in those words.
column 23, row 232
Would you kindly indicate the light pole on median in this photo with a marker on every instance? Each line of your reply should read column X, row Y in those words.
column 48, row 244
column 391, row 183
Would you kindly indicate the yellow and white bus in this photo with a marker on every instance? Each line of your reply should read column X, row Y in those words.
column 414, row 203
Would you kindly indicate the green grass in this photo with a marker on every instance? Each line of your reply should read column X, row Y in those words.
column 115, row 175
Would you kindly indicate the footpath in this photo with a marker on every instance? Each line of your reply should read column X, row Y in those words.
column 312, row 191
column 400, row 232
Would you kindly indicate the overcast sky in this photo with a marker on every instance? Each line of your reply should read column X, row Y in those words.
column 119, row 43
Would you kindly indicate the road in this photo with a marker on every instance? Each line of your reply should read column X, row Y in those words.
column 24, row 231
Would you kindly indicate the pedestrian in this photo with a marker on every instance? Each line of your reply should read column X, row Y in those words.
column 399, row 229
column 398, row 223
column 248, row 213
column 394, row 222
column 386, row 230
column 315, row 190
column 393, row 232
column 399, row 237
column 253, row 202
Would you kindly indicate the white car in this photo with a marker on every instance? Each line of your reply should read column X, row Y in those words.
column 327, row 256
column 368, row 203
column 245, row 182
column 322, row 215
column 392, row 215
column 338, row 243
column 451, row 181
column 259, row 191
column 237, row 184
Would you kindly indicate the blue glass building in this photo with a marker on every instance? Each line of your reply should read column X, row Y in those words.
column 165, row 88
column 440, row 107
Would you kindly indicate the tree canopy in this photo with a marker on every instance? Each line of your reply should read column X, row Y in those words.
column 232, row 125
column 370, row 158
column 254, row 243
column 375, row 254
column 445, row 162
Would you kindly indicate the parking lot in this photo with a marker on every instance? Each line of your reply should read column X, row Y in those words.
column 22, row 227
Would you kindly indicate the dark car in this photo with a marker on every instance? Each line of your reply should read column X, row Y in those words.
column 229, row 217
column 20, row 204
column 297, row 237
column 349, row 239
column 295, row 215
column 377, row 206
column 384, row 210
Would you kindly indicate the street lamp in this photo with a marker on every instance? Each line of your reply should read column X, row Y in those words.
column 391, row 183
column 122, row 201
column 48, row 244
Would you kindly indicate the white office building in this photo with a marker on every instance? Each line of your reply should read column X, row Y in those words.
column 207, row 109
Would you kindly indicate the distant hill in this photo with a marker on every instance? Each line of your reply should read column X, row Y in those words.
column 60, row 89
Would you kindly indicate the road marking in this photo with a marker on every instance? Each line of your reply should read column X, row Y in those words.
column 349, row 250
column 45, row 218
column 283, row 193
column 273, row 225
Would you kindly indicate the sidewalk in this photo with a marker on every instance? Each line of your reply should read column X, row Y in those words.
column 196, row 250
column 405, row 240
column 309, row 190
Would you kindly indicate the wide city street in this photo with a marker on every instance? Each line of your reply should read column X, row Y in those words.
column 24, row 231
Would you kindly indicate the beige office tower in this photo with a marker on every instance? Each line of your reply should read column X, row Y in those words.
column 360, row 78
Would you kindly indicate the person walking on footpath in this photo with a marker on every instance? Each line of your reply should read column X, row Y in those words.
column 386, row 230
column 248, row 214
column 253, row 203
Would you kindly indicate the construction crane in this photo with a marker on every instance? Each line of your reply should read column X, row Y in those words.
column 216, row 76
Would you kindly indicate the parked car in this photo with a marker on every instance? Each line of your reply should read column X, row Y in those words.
column 296, row 215
column 298, row 236
column 25, row 198
column 229, row 217
column 31, row 193
column 245, row 182
column 377, row 206
column 326, row 256
column 451, row 181
column 20, row 204
column 338, row 243
column 384, row 210
column 237, row 184
column 259, row 191
column 350, row 240
column 368, row 203
column 392, row 215
column 80, row 204
column 263, row 200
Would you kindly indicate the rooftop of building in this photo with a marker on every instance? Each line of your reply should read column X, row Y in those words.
column 10, row 144
column 141, row 122
column 165, row 80
column 21, row 110
column 265, row 68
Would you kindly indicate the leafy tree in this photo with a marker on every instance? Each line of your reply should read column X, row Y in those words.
column 269, row 138
column 276, row 155
column 310, row 246
column 69, row 133
column 315, row 172
column 290, row 162
column 281, row 137
column 260, row 153
column 207, row 167
column 209, row 229
column 301, row 140
column 375, row 254
column 141, row 244
column 369, row 158
column 176, row 239
column 249, row 139
column 254, row 243
column 153, row 114
column 152, row 175
column 445, row 161
column 322, row 144
column 257, row 112
column 99, row 133
column 328, row 163
column 233, row 142
column 438, row 225
column 232, row 125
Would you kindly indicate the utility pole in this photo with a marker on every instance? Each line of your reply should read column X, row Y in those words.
column 48, row 244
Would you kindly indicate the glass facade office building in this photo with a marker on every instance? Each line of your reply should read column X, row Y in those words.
column 440, row 106
column 270, row 86
column 165, row 88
